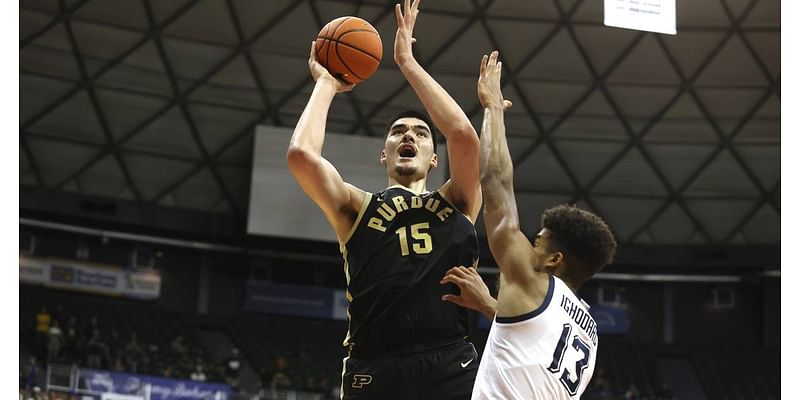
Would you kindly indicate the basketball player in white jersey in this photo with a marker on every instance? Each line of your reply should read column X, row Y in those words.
column 543, row 341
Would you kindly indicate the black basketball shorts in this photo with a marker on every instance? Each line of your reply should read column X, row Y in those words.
column 446, row 373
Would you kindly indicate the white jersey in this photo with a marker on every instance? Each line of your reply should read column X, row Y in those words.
column 548, row 353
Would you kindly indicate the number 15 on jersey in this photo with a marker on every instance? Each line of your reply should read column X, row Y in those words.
column 421, row 242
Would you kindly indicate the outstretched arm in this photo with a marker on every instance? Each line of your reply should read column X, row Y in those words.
column 318, row 177
column 509, row 246
column 462, row 140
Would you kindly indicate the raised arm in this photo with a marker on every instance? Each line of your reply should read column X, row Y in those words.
column 509, row 246
column 463, row 189
column 319, row 179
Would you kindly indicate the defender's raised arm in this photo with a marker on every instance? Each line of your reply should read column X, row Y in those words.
column 508, row 244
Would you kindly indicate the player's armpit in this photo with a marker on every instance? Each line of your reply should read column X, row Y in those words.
column 513, row 253
column 522, row 288
column 465, row 197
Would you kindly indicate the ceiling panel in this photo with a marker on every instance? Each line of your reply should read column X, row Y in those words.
column 542, row 172
column 624, row 215
column 674, row 139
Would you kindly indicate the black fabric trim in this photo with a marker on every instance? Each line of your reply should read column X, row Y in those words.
column 547, row 298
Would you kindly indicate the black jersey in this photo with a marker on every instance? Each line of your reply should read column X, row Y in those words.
column 400, row 248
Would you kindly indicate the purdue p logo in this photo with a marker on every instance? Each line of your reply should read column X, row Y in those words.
column 360, row 381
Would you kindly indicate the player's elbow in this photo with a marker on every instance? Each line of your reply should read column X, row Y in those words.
column 466, row 134
column 463, row 135
column 298, row 158
column 497, row 244
column 499, row 235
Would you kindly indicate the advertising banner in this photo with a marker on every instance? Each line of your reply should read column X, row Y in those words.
column 304, row 301
column 103, row 279
column 610, row 319
column 151, row 387
column 340, row 305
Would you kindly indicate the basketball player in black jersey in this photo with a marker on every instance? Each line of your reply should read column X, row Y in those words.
column 403, row 341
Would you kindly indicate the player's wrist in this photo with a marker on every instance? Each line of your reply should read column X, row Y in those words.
column 492, row 106
column 489, row 307
column 406, row 63
column 328, row 84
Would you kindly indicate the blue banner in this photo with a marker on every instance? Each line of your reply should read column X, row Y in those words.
column 610, row 319
column 78, row 275
column 303, row 301
column 159, row 388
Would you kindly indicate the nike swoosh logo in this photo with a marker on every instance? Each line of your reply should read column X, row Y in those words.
column 464, row 364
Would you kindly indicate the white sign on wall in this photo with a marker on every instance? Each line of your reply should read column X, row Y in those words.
column 279, row 207
column 643, row 15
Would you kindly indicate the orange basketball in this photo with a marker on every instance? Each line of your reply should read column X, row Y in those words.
column 350, row 48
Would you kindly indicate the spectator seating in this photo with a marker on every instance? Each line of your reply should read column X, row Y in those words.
column 312, row 348
column 313, row 352
column 118, row 318
column 733, row 372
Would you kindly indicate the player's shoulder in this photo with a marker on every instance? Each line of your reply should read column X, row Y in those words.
column 525, row 302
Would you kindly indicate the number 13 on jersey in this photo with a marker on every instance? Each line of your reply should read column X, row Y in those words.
column 421, row 240
column 570, row 382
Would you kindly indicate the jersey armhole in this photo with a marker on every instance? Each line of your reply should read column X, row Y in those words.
column 367, row 198
column 450, row 203
column 538, row 310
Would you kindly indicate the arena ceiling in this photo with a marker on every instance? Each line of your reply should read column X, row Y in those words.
column 673, row 139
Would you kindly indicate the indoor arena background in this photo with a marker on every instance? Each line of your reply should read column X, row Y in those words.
column 139, row 207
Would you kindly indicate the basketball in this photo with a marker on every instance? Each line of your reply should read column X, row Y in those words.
column 350, row 48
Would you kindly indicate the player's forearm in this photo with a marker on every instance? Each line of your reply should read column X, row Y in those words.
column 497, row 175
column 445, row 113
column 497, row 170
column 309, row 134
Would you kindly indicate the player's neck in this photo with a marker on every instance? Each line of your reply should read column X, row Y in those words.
column 568, row 281
column 414, row 184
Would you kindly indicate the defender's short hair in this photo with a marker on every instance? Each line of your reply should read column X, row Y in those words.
column 585, row 239
column 418, row 115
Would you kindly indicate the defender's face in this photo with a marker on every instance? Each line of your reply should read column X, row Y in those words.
column 408, row 149
column 542, row 250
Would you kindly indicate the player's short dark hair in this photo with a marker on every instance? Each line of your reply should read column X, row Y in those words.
column 584, row 238
column 418, row 115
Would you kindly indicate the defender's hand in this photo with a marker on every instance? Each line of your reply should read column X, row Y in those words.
column 406, row 18
column 489, row 91
column 318, row 72
column 474, row 292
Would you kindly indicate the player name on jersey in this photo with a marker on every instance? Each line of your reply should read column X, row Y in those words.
column 581, row 317
column 388, row 212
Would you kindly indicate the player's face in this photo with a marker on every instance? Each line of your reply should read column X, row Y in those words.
column 408, row 149
column 543, row 251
